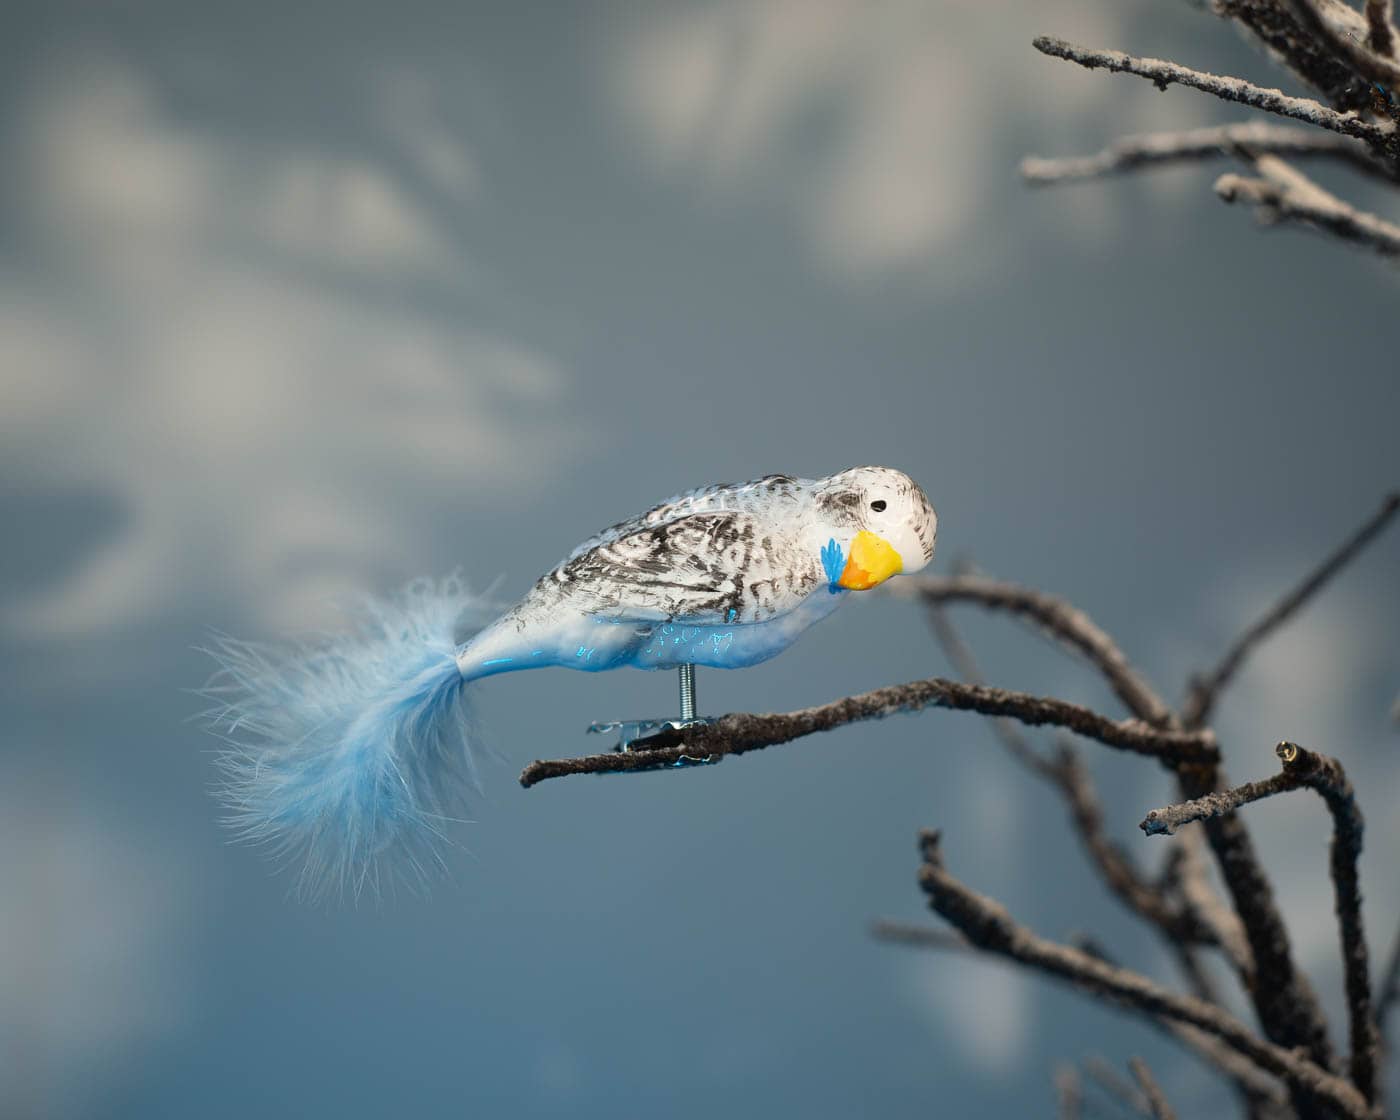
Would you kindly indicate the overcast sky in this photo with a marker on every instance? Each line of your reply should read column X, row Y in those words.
column 299, row 304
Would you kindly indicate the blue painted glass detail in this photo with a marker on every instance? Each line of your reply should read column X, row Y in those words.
column 498, row 661
column 833, row 561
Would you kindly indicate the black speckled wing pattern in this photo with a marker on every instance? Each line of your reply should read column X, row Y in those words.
column 716, row 555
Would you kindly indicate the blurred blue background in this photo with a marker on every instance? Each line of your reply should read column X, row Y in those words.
column 298, row 302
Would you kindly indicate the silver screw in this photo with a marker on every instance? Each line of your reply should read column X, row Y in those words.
column 687, row 692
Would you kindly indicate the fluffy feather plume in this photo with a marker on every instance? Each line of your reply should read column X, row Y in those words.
column 347, row 757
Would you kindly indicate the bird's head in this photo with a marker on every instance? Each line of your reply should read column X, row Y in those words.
column 875, row 522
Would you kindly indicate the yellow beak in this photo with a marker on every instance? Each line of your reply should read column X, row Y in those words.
column 872, row 561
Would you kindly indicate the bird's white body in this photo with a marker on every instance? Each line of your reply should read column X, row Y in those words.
column 726, row 576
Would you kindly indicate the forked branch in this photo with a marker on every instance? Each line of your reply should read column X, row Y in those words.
column 988, row 924
column 1304, row 768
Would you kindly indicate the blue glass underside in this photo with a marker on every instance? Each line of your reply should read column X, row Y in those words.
column 595, row 645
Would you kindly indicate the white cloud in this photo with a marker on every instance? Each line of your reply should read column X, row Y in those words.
column 258, row 418
column 729, row 96
column 111, row 169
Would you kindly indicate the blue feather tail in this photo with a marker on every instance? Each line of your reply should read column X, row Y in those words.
column 347, row 758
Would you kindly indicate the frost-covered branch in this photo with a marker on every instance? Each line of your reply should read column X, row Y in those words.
column 1163, row 73
column 1132, row 153
column 739, row 733
column 1283, row 194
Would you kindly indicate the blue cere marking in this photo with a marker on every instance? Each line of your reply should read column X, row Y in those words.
column 833, row 561
column 733, row 614
column 497, row 661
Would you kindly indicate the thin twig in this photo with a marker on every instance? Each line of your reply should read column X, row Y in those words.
column 988, row 924
column 1252, row 1081
column 1205, row 689
column 1165, row 821
column 1062, row 621
column 1157, row 1104
column 1183, row 925
column 1326, row 776
column 739, row 733
column 1285, row 194
column 1164, row 73
column 921, row 937
column 1069, row 1093
column 1008, row 731
column 1115, row 1085
column 1185, row 877
column 1388, row 992
column 1130, row 153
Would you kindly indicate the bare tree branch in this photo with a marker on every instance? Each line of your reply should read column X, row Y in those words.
column 1199, row 917
column 1183, row 925
column 1326, row 776
column 1062, row 621
column 1382, row 27
column 1351, row 51
column 1163, row 73
column 988, row 924
column 739, row 733
column 1284, row 194
column 1253, row 1082
column 1284, row 1000
column 1205, row 690
column 1168, row 819
column 1286, row 1004
column 1131, row 153
column 1157, row 1104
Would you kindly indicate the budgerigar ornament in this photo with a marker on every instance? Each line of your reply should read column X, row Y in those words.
column 357, row 750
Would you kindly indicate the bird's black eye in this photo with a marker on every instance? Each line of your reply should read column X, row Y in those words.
column 878, row 505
